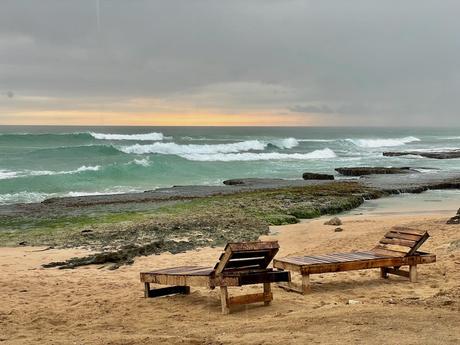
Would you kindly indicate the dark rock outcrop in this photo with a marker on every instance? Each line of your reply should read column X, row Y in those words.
column 455, row 219
column 334, row 221
column 314, row 176
column 434, row 154
column 361, row 171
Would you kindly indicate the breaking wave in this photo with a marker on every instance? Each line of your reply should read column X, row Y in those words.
column 154, row 136
column 250, row 156
column 8, row 174
column 178, row 149
column 373, row 143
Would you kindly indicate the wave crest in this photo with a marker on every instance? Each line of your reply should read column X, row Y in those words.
column 154, row 136
column 373, row 143
column 8, row 174
column 178, row 149
column 251, row 156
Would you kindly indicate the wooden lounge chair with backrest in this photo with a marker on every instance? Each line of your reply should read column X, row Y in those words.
column 240, row 264
column 398, row 248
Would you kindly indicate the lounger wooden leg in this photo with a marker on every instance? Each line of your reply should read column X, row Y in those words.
column 146, row 289
column 306, row 283
column 267, row 294
column 224, row 300
column 413, row 273
column 384, row 272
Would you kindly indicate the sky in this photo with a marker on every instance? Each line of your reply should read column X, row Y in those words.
column 239, row 62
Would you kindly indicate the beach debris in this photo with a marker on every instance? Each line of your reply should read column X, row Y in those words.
column 353, row 301
column 23, row 243
column 315, row 176
column 86, row 231
column 334, row 221
column 339, row 229
column 455, row 219
column 361, row 171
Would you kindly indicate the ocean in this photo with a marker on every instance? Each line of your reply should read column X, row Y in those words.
column 39, row 162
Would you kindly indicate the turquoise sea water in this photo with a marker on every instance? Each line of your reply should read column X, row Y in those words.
column 40, row 162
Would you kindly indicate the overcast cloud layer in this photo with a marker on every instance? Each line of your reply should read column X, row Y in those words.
column 337, row 62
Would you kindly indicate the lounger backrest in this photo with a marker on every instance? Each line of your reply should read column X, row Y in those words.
column 246, row 256
column 401, row 241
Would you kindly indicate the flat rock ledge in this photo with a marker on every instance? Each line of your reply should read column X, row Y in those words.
column 315, row 176
column 451, row 154
column 361, row 171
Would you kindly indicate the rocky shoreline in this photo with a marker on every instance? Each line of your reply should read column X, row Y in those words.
column 123, row 226
column 451, row 154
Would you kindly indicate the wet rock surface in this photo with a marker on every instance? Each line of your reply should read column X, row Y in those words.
column 186, row 217
column 315, row 176
column 451, row 154
column 361, row 171
column 455, row 219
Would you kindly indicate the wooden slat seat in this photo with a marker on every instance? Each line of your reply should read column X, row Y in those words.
column 398, row 248
column 240, row 264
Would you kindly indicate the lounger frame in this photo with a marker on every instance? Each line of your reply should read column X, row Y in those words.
column 398, row 248
column 240, row 264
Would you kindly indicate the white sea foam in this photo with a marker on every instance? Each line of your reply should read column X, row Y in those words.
column 373, row 143
column 154, row 136
column 287, row 143
column 23, row 197
column 251, row 156
column 7, row 174
column 178, row 149
column 145, row 162
column 316, row 140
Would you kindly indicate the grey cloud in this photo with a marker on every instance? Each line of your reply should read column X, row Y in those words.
column 400, row 59
column 322, row 109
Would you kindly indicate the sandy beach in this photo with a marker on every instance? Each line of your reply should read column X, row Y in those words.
column 93, row 305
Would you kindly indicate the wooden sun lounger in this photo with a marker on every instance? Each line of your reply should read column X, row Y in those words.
column 398, row 248
column 240, row 264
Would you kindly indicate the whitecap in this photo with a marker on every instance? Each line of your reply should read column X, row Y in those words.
column 373, row 143
column 177, row 149
column 287, row 143
column 145, row 162
column 7, row 174
column 154, row 136
column 251, row 156
column 23, row 197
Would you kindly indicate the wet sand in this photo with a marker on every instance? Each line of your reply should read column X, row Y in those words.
column 90, row 305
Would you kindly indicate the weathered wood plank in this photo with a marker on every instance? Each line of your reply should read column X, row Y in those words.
column 251, row 298
column 251, row 246
column 394, row 234
column 413, row 273
column 418, row 244
column 180, row 280
column 409, row 231
column 398, row 242
column 270, row 247
column 366, row 264
column 224, row 300
column 268, row 296
column 381, row 250
column 174, row 270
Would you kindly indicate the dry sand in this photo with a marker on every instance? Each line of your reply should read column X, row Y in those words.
column 91, row 305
